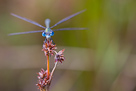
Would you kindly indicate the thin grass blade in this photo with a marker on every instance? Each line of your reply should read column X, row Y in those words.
column 25, row 32
column 67, row 18
column 30, row 21
column 63, row 29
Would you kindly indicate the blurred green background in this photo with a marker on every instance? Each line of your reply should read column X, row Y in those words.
column 102, row 58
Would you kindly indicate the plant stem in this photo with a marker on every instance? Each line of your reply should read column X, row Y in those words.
column 48, row 67
column 47, row 88
column 42, row 90
column 53, row 69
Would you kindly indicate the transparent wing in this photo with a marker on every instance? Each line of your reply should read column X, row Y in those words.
column 65, row 19
column 26, row 32
column 61, row 29
column 30, row 21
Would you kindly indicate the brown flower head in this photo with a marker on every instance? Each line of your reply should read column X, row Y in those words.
column 49, row 47
column 43, row 81
column 42, row 74
column 59, row 56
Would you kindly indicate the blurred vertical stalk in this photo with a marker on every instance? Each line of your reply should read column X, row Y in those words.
column 108, row 20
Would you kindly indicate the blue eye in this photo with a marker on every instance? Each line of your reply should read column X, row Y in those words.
column 52, row 33
column 44, row 34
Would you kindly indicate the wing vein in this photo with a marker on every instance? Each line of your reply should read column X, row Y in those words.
column 25, row 32
column 67, row 18
column 28, row 20
column 61, row 29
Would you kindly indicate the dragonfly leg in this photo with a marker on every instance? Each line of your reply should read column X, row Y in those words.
column 52, row 41
column 45, row 40
column 49, row 40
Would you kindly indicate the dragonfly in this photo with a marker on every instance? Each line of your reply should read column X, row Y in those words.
column 48, row 31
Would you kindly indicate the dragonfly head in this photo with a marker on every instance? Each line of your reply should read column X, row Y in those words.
column 48, row 34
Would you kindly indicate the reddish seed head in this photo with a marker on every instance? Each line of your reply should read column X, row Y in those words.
column 43, row 81
column 49, row 47
column 59, row 56
column 42, row 74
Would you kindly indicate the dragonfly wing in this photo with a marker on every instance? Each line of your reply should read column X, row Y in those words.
column 61, row 29
column 25, row 32
column 30, row 21
column 67, row 18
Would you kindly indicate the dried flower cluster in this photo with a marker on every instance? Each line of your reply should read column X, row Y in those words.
column 49, row 48
column 42, row 76
column 59, row 56
column 45, row 77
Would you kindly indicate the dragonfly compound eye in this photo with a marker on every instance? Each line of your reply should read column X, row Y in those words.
column 52, row 33
column 44, row 34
